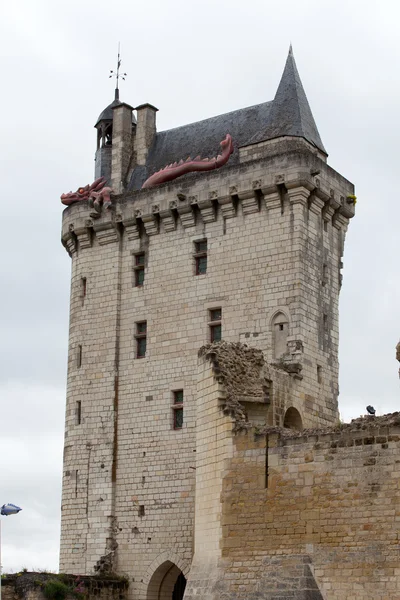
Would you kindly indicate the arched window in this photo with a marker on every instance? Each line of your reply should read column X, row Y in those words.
column 292, row 419
column 280, row 332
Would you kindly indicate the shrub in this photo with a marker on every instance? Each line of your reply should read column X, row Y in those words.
column 55, row 589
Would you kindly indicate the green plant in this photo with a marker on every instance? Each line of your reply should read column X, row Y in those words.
column 55, row 589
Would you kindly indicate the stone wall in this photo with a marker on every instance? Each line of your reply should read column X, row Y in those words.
column 305, row 515
column 332, row 497
column 29, row 586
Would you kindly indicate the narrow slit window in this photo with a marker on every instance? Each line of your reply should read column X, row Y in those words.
column 177, row 409
column 319, row 373
column 141, row 339
column 83, row 289
column 325, row 332
column 324, row 274
column 200, row 256
column 215, row 324
column 79, row 357
column 78, row 412
column 139, row 269
column 141, row 511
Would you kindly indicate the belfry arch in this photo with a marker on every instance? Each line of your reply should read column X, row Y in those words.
column 167, row 583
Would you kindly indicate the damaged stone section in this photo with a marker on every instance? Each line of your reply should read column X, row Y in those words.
column 364, row 423
column 239, row 369
column 254, row 392
column 105, row 564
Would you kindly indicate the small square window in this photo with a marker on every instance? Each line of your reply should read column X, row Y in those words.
column 201, row 246
column 141, row 327
column 141, row 339
column 139, row 269
column 178, row 397
column 200, row 255
column 215, row 324
column 215, row 314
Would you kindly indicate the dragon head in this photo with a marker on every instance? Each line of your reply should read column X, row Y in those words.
column 83, row 193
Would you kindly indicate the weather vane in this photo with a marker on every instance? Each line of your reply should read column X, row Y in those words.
column 116, row 73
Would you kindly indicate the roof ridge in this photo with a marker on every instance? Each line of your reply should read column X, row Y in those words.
column 216, row 116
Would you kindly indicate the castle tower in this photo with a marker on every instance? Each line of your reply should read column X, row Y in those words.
column 246, row 247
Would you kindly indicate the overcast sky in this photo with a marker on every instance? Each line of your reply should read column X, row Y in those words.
column 192, row 60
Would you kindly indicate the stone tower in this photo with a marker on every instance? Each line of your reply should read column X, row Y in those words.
column 249, row 251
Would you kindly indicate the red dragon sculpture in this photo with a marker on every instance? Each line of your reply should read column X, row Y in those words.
column 97, row 193
column 198, row 164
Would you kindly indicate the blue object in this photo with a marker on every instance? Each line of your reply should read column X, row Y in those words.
column 9, row 509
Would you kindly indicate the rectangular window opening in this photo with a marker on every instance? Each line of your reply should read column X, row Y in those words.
column 78, row 412
column 200, row 256
column 83, row 288
column 177, row 409
column 325, row 332
column 325, row 225
column 139, row 269
column 324, row 274
column 141, row 339
column 215, row 324
column 79, row 357
column 266, row 461
column 319, row 373
column 141, row 511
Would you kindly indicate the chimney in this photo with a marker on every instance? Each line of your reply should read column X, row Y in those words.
column 121, row 145
column 145, row 132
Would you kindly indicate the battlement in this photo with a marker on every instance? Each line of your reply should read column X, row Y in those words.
column 292, row 174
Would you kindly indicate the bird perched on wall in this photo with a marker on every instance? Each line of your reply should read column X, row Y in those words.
column 371, row 410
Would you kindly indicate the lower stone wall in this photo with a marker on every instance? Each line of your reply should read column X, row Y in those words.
column 316, row 515
column 30, row 586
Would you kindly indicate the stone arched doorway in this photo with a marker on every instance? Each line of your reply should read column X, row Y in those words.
column 292, row 419
column 167, row 583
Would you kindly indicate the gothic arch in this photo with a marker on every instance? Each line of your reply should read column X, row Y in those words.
column 163, row 581
column 280, row 332
column 162, row 575
column 292, row 419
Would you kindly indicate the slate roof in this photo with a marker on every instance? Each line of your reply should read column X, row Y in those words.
column 108, row 114
column 289, row 114
column 202, row 138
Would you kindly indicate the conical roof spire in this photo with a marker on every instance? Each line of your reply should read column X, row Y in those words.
column 290, row 112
